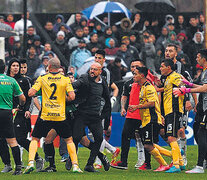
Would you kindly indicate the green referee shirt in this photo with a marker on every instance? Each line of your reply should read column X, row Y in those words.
column 8, row 89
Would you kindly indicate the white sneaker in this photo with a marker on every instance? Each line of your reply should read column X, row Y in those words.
column 197, row 169
column 139, row 163
column 76, row 169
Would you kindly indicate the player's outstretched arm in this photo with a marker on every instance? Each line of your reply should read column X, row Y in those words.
column 32, row 92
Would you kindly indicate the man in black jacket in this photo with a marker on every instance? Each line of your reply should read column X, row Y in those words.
column 90, row 89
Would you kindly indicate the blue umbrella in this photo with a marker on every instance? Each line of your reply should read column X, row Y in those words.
column 106, row 7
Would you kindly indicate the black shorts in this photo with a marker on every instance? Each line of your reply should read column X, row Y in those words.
column 20, row 125
column 42, row 128
column 6, row 124
column 151, row 133
column 172, row 124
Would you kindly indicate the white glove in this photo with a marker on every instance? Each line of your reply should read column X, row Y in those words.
column 113, row 100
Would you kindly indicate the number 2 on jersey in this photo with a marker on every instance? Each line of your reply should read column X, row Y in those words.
column 52, row 97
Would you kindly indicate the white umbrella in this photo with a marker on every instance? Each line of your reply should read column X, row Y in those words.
column 105, row 7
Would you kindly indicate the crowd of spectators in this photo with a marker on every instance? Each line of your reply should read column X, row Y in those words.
column 135, row 38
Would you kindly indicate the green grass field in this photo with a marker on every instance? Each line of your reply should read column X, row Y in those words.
column 112, row 174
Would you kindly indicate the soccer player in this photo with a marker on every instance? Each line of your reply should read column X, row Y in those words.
column 202, row 106
column 9, row 88
column 151, row 118
column 54, row 87
column 173, row 110
column 131, row 129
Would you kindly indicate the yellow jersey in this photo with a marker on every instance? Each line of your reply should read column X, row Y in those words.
column 170, row 102
column 54, row 87
column 151, row 114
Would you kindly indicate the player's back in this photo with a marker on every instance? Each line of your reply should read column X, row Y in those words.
column 54, row 88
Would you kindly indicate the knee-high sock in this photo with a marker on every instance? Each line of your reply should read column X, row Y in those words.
column 108, row 146
column 4, row 152
column 72, row 152
column 98, row 161
column 163, row 151
column 182, row 144
column 50, row 153
column 16, row 155
column 175, row 153
column 32, row 150
column 147, row 157
column 158, row 157
column 140, row 149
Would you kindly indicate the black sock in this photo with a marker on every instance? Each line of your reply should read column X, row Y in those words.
column 147, row 157
column 16, row 155
column 50, row 153
column 25, row 144
column 4, row 152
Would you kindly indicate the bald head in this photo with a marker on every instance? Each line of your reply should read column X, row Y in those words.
column 54, row 63
column 95, row 70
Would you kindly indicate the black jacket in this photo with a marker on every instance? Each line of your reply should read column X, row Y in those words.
column 82, row 89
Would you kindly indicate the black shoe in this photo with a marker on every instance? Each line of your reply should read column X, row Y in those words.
column 68, row 164
column 105, row 162
column 18, row 170
column 90, row 168
column 49, row 169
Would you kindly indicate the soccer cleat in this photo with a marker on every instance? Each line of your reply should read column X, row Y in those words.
column 29, row 168
column 182, row 167
column 39, row 164
column 115, row 154
column 195, row 170
column 139, row 163
column 18, row 170
column 68, row 164
column 119, row 165
column 49, row 169
column 90, row 168
column 7, row 168
column 97, row 166
column 144, row 167
column 173, row 169
column 105, row 162
column 76, row 169
column 64, row 157
column 162, row 168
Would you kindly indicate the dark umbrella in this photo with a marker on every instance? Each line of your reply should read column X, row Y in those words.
column 155, row 6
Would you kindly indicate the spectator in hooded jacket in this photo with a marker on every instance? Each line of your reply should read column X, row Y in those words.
column 111, row 48
column 79, row 55
column 59, row 21
column 76, row 24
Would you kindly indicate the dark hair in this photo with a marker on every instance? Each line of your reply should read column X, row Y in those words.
column 169, row 62
column 143, row 70
column 117, row 60
column 23, row 60
column 102, row 52
column 173, row 45
column 134, row 60
column 2, row 66
column 203, row 53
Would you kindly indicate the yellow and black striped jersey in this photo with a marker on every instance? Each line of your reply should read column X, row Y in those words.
column 170, row 102
column 152, row 114
column 54, row 88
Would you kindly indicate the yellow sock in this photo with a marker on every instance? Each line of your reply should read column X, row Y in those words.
column 181, row 162
column 72, row 152
column 175, row 153
column 32, row 150
column 156, row 154
column 163, row 151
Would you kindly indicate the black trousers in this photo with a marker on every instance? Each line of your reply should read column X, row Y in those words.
column 95, row 126
column 202, row 145
column 128, row 133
